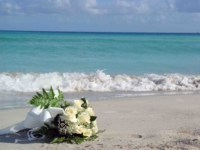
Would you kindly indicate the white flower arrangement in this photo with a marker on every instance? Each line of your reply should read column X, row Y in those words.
column 74, row 124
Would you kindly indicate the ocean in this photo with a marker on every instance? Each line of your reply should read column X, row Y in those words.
column 97, row 65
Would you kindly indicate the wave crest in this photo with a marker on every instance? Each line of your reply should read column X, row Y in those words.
column 98, row 81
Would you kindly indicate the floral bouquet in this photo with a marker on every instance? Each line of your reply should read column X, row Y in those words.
column 56, row 120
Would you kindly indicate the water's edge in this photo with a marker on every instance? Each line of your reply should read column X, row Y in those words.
column 12, row 100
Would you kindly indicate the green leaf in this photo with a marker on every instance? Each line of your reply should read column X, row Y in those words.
column 65, row 104
column 46, row 100
column 84, row 105
column 93, row 118
column 101, row 131
column 60, row 95
column 84, row 100
column 39, row 95
column 55, row 140
column 51, row 94
column 45, row 94
column 76, row 140
column 47, row 125
column 92, row 138
column 53, row 103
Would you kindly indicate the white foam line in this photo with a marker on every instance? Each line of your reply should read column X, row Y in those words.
column 98, row 81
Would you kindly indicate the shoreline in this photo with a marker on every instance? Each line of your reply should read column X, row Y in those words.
column 17, row 100
column 148, row 122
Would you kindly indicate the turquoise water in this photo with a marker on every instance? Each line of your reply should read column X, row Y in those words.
column 115, row 53
column 97, row 65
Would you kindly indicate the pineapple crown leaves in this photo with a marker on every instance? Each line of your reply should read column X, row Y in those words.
column 47, row 99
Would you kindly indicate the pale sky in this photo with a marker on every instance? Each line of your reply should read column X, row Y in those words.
column 101, row 15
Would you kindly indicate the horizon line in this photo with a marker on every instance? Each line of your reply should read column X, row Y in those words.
column 150, row 32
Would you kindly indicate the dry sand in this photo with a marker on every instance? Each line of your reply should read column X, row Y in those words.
column 153, row 122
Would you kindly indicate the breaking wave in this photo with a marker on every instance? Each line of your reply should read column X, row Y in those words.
column 98, row 81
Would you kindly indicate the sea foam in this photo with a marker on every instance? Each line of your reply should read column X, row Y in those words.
column 98, row 81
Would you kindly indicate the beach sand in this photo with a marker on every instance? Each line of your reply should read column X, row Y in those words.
column 151, row 122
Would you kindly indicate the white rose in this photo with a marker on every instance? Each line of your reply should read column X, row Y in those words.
column 77, row 105
column 70, row 113
column 87, row 132
column 79, row 129
column 94, row 123
column 94, row 128
column 84, row 118
column 90, row 111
